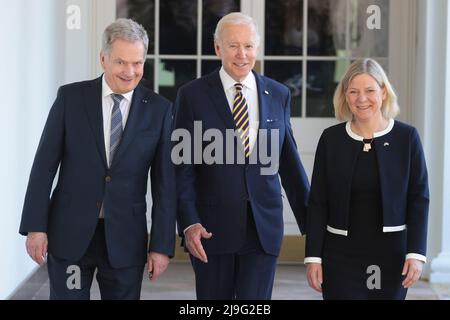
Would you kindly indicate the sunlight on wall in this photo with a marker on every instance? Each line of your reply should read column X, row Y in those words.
column 31, row 60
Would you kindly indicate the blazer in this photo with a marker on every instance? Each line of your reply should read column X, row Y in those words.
column 217, row 195
column 403, row 182
column 73, row 141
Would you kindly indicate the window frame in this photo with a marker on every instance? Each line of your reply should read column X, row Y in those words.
column 401, row 56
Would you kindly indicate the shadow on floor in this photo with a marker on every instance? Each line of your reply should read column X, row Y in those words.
column 177, row 283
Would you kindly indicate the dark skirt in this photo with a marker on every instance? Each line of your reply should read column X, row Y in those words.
column 367, row 263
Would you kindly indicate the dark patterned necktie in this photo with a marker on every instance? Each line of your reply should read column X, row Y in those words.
column 240, row 116
column 116, row 126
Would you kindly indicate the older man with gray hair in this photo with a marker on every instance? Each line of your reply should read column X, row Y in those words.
column 231, row 214
column 104, row 135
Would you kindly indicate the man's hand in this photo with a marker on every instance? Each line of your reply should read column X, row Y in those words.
column 314, row 274
column 36, row 245
column 156, row 264
column 193, row 237
column 412, row 269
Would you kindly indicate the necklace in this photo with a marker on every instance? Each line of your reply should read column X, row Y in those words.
column 367, row 145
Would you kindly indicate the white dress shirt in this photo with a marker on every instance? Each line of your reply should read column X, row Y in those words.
column 107, row 106
column 250, row 93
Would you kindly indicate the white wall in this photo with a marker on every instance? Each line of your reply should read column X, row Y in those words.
column 431, row 117
column 39, row 54
column 31, row 60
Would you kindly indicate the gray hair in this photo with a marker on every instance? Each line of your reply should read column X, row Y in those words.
column 236, row 18
column 124, row 29
column 389, row 109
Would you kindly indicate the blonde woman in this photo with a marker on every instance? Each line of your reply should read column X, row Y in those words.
column 367, row 217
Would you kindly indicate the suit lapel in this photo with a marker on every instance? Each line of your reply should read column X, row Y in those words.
column 354, row 148
column 138, row 102
column 93, row 108
column 264, row 101
column 219, row 99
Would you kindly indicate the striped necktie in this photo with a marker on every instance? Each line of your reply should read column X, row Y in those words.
column 116, row 126
column 240, row 116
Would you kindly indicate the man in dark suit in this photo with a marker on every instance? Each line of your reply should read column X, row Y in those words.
column 103, row 135
column 231, row 214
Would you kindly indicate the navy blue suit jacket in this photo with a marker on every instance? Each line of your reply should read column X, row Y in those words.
column 403, row 182
column 73, row 140
column 217, row 195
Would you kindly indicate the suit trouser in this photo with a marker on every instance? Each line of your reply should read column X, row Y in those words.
column 245, row 275
column 72, row 280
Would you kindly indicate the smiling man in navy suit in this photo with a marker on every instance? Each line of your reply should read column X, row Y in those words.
column 231, row 214
column 104, row 135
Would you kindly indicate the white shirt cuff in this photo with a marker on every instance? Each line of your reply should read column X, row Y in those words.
column 416, row 256
column 184, row 231
column 408, row 256
column 313, row 260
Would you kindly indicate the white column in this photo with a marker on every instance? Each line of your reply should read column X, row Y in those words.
column 83, row 42
column 79, row 61
column 432, row 118
column 440, row 266
column 32, row 57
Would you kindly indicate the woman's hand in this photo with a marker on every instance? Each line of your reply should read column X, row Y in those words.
column 412, row 269
column 314, row 274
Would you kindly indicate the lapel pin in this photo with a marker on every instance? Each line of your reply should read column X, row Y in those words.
column 270, row 120
column 386, row 144
column 266, row 92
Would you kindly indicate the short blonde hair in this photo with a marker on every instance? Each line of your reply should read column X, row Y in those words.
column 389, row 109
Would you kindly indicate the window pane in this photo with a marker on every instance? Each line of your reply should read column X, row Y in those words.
column 213, row 11
column 284, row 27
column 365, row 42
column 178, row 27
column 289, row 73
column 173, row 74
column 149, row 71
column 209, row 66
column 142, row 11
column 326, row 27
column 323, row 77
